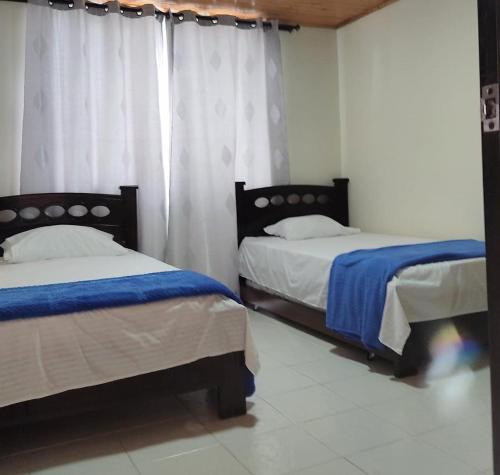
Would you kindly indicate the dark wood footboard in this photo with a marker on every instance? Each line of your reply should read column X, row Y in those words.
column 225, row 373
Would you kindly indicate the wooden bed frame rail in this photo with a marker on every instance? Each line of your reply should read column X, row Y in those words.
column 222, row 373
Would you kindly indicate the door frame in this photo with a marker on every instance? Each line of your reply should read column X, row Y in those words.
column 489, row 48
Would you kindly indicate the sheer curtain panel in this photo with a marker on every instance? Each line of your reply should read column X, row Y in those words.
column 92, row 110
column 227, row 123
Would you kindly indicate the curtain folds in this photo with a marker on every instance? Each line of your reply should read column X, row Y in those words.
column 227, row 124
column 182, row 110
column 91, row 109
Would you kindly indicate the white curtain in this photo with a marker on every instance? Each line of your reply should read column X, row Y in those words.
column 227, row 123
column 105, row 105
column 92, row 108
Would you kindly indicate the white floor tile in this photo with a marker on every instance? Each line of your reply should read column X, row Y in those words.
column 309, row 403
column 159, row 441
column 279, row 380
column 99, row 455
column 257, row 318
column 353, row 431
column 335, row 467
column 316, row 402
column 263, row 325
column 290, row 346
column 409, row 457
column 458, row 391
column 268, row 362
column 261, row 417
column 372, row 388
column 332, row 368
column 469, row 440
column 279, row 452
column 210, row 461
column 417, row 415
column 292, row 350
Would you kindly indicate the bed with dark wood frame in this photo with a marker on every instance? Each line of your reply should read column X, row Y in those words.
column 260, row 207
column 225, row 374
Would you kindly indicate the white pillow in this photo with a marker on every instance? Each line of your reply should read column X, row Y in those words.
column 53, row 242
column 308, row 227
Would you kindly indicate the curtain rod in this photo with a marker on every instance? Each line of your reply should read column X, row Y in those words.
column 179, row 17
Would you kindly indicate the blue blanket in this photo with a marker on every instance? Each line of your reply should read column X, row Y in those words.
column 358, row 283
column 56, row 299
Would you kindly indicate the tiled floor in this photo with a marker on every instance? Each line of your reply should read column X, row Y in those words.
column 319, row 409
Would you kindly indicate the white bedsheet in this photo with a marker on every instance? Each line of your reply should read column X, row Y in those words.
column 299, row 270
column 48, row 355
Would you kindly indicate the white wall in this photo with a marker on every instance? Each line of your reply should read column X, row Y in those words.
column 311, row 97
column 410, row 137
column 12, row 27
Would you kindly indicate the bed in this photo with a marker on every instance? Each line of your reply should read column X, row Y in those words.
column 69, row 363
column 291, row 278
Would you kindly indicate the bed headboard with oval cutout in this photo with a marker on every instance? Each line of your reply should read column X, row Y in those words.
column 261, row 207
column 114, row 214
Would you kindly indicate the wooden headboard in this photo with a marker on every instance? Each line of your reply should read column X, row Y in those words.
column 261, row 207
column 114, row 214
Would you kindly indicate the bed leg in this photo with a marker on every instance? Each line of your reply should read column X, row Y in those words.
column 231, row 400
column 371, row 356
column 403, row 368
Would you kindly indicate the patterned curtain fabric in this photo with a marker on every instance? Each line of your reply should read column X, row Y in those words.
column 181, row 110
column 228, row 124
column 92, row 109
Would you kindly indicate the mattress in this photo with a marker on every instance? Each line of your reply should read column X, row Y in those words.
column 299, row 271
column 48, row 355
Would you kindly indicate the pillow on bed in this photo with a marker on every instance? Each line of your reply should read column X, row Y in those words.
column 53, row 242
column 309, row 227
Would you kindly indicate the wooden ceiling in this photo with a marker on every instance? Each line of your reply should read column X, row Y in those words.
column 320, row 13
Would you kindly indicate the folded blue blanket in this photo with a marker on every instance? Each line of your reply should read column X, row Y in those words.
column 358, row 283
column 56, row 299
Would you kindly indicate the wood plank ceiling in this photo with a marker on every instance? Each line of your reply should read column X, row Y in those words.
column 320, row 13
